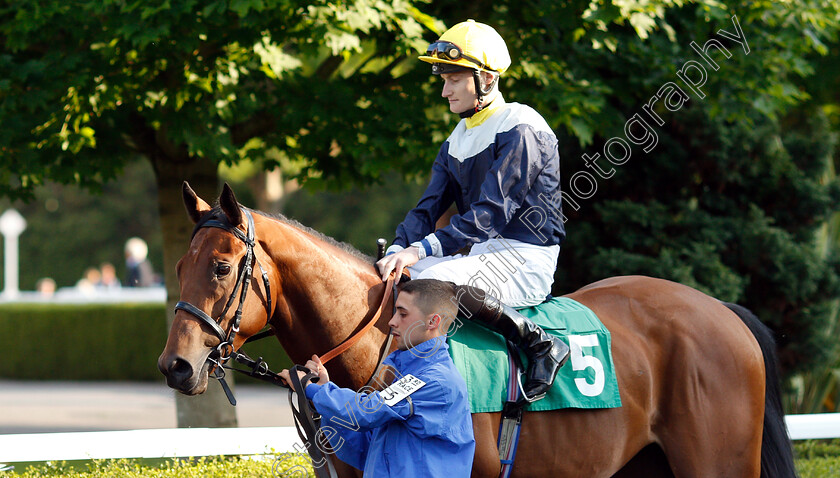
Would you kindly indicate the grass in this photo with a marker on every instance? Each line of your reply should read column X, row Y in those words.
column 815, row 459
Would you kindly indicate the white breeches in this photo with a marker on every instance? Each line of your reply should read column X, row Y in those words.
column 517, row 273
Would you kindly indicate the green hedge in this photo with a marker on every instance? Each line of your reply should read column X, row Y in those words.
column 211, row 467
column 818, row 458
column 94, row 342
column 233, row 467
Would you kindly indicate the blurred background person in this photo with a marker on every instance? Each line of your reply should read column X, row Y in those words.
column 109, row 280
column 139, row 269
column 89, row 281
column 45, row 286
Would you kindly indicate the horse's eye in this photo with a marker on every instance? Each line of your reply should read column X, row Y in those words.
column 222, row 270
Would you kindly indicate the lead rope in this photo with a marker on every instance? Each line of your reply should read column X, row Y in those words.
column 308, row 422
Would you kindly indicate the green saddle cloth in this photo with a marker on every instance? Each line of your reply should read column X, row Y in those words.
column 587, row 380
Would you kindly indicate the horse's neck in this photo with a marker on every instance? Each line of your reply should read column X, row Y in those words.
column 323, row 297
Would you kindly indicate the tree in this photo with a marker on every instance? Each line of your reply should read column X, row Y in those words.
column 818, row 390
column 732, row 193
column 188, row 85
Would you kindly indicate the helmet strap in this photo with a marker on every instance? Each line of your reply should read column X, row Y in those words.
column 480, row 93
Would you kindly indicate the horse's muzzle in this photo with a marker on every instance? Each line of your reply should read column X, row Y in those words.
column 181, row 375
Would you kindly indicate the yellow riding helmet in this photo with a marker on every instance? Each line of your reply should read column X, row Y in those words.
column 471, row 45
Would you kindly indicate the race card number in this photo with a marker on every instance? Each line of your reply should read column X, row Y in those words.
column 401, row 389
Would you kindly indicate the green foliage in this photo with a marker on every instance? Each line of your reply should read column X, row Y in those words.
column 817, row 449
column 211, row 467
column 84, row 342
column 817, row 390
column 95, row 342
column 85, row 85
column 740, row 224
column 818, row 467
column 811, row 464
column 733, row 195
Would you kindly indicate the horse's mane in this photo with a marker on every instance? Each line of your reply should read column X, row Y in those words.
column 216, row 213
column 320, row 235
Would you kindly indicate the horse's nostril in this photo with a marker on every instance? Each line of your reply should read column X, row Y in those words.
column 180, row 369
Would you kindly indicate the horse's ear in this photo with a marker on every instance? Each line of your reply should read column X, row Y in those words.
column 230, row 206
column 196, row 207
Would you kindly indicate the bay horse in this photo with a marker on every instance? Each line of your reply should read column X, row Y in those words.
column 698, row 378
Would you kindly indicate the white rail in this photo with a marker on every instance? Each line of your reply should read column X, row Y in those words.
column 182, row 442
column 813, row 427
column 161, row 443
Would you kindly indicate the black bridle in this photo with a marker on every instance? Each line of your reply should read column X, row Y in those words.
column 225, row 350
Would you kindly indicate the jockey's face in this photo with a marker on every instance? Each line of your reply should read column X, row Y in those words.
column 409, row 325
column 459, row 90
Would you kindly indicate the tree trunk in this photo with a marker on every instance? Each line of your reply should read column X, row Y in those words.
column 210, row 409
column 271, row 190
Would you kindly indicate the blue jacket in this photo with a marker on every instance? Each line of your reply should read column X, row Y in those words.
column 501, row 168
column 428, row 434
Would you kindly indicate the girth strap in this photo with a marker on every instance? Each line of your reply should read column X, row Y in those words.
column 514, row 408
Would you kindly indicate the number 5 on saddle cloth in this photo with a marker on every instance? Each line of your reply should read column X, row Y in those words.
column 492, row 371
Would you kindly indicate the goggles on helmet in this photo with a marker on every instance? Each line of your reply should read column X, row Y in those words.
column 449, row 51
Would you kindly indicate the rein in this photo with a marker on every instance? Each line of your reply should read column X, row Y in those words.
column 338, row 350
column 308, row 422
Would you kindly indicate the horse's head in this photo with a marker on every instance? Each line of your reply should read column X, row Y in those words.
column 217, row 284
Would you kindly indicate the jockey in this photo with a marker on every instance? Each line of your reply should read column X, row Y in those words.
column 500, row 166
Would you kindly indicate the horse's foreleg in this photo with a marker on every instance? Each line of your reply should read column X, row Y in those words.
column 486, row 462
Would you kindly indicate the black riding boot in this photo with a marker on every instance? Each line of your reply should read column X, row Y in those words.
column 546, row 353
